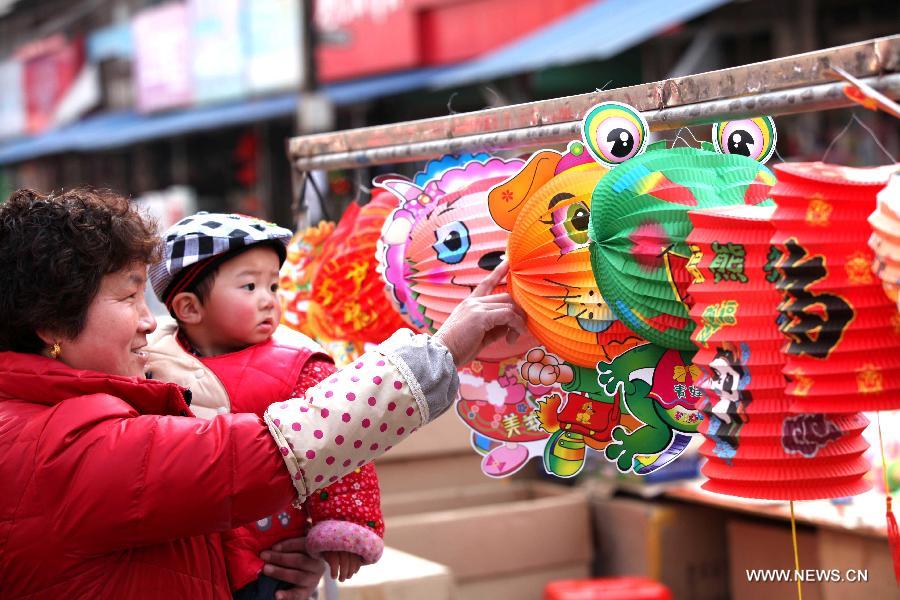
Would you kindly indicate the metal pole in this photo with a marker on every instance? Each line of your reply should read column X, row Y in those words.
column 872, row 58
column 801, row 99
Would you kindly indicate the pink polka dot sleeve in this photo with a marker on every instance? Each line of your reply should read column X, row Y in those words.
column 360, row 412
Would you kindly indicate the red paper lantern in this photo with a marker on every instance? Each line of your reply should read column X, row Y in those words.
column 843, row 352
column 295, row 277
column 755, row 446
column 348, row 292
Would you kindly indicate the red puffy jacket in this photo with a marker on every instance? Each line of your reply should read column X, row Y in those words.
column 104, row 490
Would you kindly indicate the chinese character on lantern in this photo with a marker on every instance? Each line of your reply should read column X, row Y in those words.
column 728, row 264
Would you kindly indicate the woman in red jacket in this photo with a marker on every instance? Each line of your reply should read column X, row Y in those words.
column 108, row 491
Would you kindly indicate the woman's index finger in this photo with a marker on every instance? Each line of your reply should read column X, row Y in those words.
column 493, row 279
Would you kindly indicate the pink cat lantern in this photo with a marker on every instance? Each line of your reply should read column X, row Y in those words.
column 441, row 242
column 450, row 252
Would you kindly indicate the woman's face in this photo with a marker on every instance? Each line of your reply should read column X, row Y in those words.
column 116, row 328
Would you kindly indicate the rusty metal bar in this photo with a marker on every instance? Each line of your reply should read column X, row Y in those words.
column 803, row 99
column 864, row 60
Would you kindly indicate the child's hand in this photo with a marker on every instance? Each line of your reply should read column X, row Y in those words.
column 344, row 565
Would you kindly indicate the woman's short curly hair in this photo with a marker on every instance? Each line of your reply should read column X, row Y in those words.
column 54, row 251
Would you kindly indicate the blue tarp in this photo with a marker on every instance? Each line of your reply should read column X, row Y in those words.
column 112, row 130
column 595, row 32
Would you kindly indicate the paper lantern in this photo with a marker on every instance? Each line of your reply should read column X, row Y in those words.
column 295, row 277
column 545, row 207
column 347, row 286
column 638, row 227
column 417, row 199
column 885, row 239
column 843, row 351
column 451, row 252
column 754, row 445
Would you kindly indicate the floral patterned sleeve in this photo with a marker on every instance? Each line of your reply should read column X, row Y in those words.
column 353, row 416
column 347, row 514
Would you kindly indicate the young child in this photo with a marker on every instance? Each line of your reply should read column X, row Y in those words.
column 218, row 278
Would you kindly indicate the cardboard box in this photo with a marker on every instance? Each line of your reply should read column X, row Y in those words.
column 500, row 539
column 682, row 546
column 761, row 545
column 850, row 553
column 399, row 576
column 413, row 474
column 438, row 455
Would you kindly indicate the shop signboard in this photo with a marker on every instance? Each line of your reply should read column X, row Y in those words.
column 50, row 66
column 217, row 59
column 162, row 66
column 114, row 41
column 272, row 38
column 12, row 102
column 366, row 37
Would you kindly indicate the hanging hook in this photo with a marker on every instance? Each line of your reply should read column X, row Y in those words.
column 868, row 130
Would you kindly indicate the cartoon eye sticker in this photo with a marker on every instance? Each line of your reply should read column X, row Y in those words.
column 614, row 132
column 569, row 221
column 451, row 242
column 754, row 138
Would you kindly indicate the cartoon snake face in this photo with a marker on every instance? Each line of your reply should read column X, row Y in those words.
column 639, row 213
column 546, row 207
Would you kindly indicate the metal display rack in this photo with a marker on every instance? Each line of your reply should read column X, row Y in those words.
column 794, row 84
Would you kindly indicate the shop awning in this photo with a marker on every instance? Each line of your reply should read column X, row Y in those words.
column 595, row 32
column 114, row 130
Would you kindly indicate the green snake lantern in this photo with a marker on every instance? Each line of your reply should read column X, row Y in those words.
column 639, row 214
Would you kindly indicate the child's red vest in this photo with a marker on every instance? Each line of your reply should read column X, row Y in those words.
column 255, row 378
column 247, row 381
column 259, row 375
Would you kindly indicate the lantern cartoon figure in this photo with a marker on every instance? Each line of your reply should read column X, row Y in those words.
column 418, row 198
column 641, row 266
column 437, row 246
column 640, row 409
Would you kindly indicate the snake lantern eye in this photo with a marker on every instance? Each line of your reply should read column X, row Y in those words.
column 576, row 222
column 451, row 242
column 614, row 132
column 754, row 138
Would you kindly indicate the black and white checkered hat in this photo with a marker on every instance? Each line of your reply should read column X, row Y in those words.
column 192, row 242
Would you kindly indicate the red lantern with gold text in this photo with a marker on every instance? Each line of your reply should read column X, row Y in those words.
column 843, row 354
column 348, row 292
column 755, row 447
column 295, row 277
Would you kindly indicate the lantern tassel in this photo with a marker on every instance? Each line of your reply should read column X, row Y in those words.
column 893, row 532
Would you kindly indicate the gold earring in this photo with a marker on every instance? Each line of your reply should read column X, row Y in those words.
column 55, row 350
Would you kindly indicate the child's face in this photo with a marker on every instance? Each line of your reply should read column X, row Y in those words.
column 242, row 308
